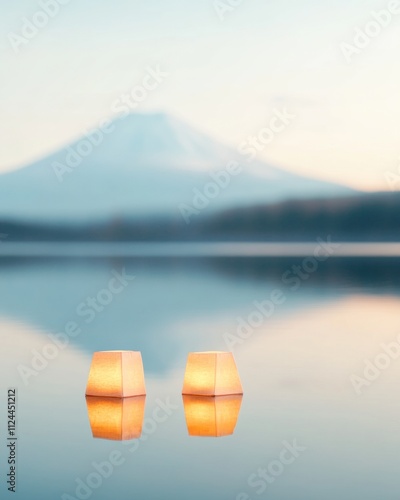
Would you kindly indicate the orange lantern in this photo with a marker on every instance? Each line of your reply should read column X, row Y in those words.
column 116, row 374
column 211, row 373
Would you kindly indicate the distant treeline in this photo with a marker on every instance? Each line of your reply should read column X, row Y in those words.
column 357, row 218
column 366, row 217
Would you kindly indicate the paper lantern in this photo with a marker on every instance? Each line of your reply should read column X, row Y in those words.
column 116, row 374
column 212, row 373
column 211, row 416
column 118, row 419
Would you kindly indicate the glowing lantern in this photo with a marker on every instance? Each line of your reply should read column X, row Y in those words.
column 116, row 418
column 117, row 374
column 212, row 373
column 211, row 416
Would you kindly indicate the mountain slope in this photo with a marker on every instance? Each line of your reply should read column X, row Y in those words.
column 148, row 165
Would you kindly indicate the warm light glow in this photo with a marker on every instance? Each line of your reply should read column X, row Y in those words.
column 116, row 418
column 212, row 373
column 211, row 416
column 116, row 374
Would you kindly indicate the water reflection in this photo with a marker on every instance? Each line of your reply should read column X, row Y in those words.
column 296, row 368
column 211, row 416
column 118, row 419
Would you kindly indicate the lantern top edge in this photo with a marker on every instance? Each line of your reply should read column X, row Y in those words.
column 211, row 352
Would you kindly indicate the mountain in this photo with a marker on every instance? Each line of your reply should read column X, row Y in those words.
column 146, row 165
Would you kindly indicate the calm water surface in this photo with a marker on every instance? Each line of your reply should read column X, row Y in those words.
column 296, row 361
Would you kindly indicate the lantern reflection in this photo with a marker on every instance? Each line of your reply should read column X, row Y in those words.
column 211, row 416
column 118, row 419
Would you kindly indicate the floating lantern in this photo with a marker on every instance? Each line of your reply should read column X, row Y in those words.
column 212, row 373
column 117, row 374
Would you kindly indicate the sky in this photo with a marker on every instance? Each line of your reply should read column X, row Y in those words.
column 230, row 66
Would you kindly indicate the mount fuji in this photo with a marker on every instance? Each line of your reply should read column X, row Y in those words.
column 146, row 165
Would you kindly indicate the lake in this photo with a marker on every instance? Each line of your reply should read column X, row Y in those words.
column 316, row 343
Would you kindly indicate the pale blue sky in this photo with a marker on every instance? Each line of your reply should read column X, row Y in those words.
column 224, row 77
